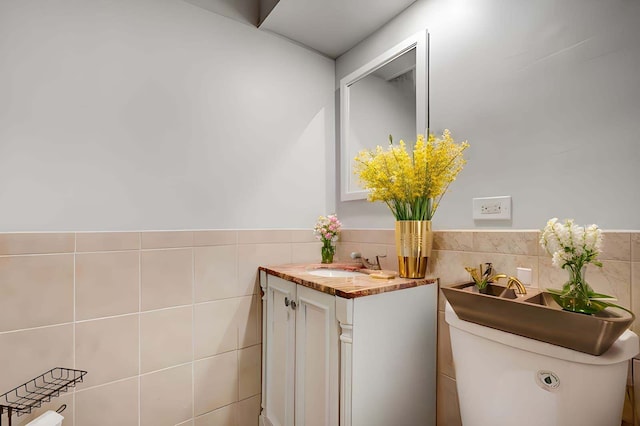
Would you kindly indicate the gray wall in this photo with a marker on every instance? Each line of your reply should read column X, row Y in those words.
column 157, row 114
column 548, row 95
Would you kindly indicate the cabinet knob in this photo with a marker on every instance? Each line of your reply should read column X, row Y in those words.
column 293, row 305
column 286, row 301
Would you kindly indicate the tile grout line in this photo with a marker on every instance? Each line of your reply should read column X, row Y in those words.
column 75, row 249
column 631, row 281
column 193, row 332
column 632, row 277
column 235, row 324
column 111, row 317
column 237, row 398
column 139, row 330
column 56, row 253
column 92, row 387
column 166, row 308
column 148, row 373
column 39, row 327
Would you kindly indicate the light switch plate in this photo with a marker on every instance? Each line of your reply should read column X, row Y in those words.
column 492, row 208
column 525, row 275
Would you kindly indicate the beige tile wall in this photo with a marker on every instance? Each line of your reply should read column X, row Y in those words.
column 507, row 250
column 166, row 323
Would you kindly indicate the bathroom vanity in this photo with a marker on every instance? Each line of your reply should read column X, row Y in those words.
column 347, row 350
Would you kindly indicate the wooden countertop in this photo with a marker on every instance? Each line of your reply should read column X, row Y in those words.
column 347, row 287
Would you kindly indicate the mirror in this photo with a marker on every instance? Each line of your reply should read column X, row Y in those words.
column 387, row 96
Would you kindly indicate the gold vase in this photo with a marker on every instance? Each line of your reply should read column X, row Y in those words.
column 414, row 241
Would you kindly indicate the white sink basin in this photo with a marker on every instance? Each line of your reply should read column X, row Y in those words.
column 335, row 273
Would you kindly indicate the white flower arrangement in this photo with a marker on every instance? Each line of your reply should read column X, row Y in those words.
column 572, row 247
column 570, row 244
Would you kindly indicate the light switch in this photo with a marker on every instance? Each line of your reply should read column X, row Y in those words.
column 525, row 275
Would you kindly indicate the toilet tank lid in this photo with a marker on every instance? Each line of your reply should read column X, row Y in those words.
column 626, row 347
column 49, row 418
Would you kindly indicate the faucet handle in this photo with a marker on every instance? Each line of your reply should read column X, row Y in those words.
column 365, row 261
column 378, row 257
column 487, row 273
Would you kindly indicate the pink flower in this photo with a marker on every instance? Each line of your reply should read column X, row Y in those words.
column 327, row 228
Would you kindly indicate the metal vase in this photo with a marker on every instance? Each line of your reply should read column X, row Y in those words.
column 414, row 241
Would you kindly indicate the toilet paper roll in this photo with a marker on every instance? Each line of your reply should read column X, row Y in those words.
column 49, row 418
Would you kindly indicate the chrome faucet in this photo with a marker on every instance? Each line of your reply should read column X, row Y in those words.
column 512, row 281
column 365, row 262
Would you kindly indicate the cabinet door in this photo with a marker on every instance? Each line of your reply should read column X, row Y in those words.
column 280, row 352
column 317, row 371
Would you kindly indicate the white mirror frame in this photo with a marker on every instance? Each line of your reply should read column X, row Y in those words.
column 419, row 41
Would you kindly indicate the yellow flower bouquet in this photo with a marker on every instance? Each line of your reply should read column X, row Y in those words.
column 411, row 184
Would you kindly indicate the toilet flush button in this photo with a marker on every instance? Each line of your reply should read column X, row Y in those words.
column 547, row 380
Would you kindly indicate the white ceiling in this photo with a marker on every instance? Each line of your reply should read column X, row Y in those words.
column 331, row 26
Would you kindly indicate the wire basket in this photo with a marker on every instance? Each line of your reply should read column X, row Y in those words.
column 32, row 394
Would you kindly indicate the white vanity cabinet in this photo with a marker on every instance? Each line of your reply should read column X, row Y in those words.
column 347, row 358
column 300, row 353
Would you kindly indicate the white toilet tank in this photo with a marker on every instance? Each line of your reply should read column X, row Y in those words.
column 505, row 379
